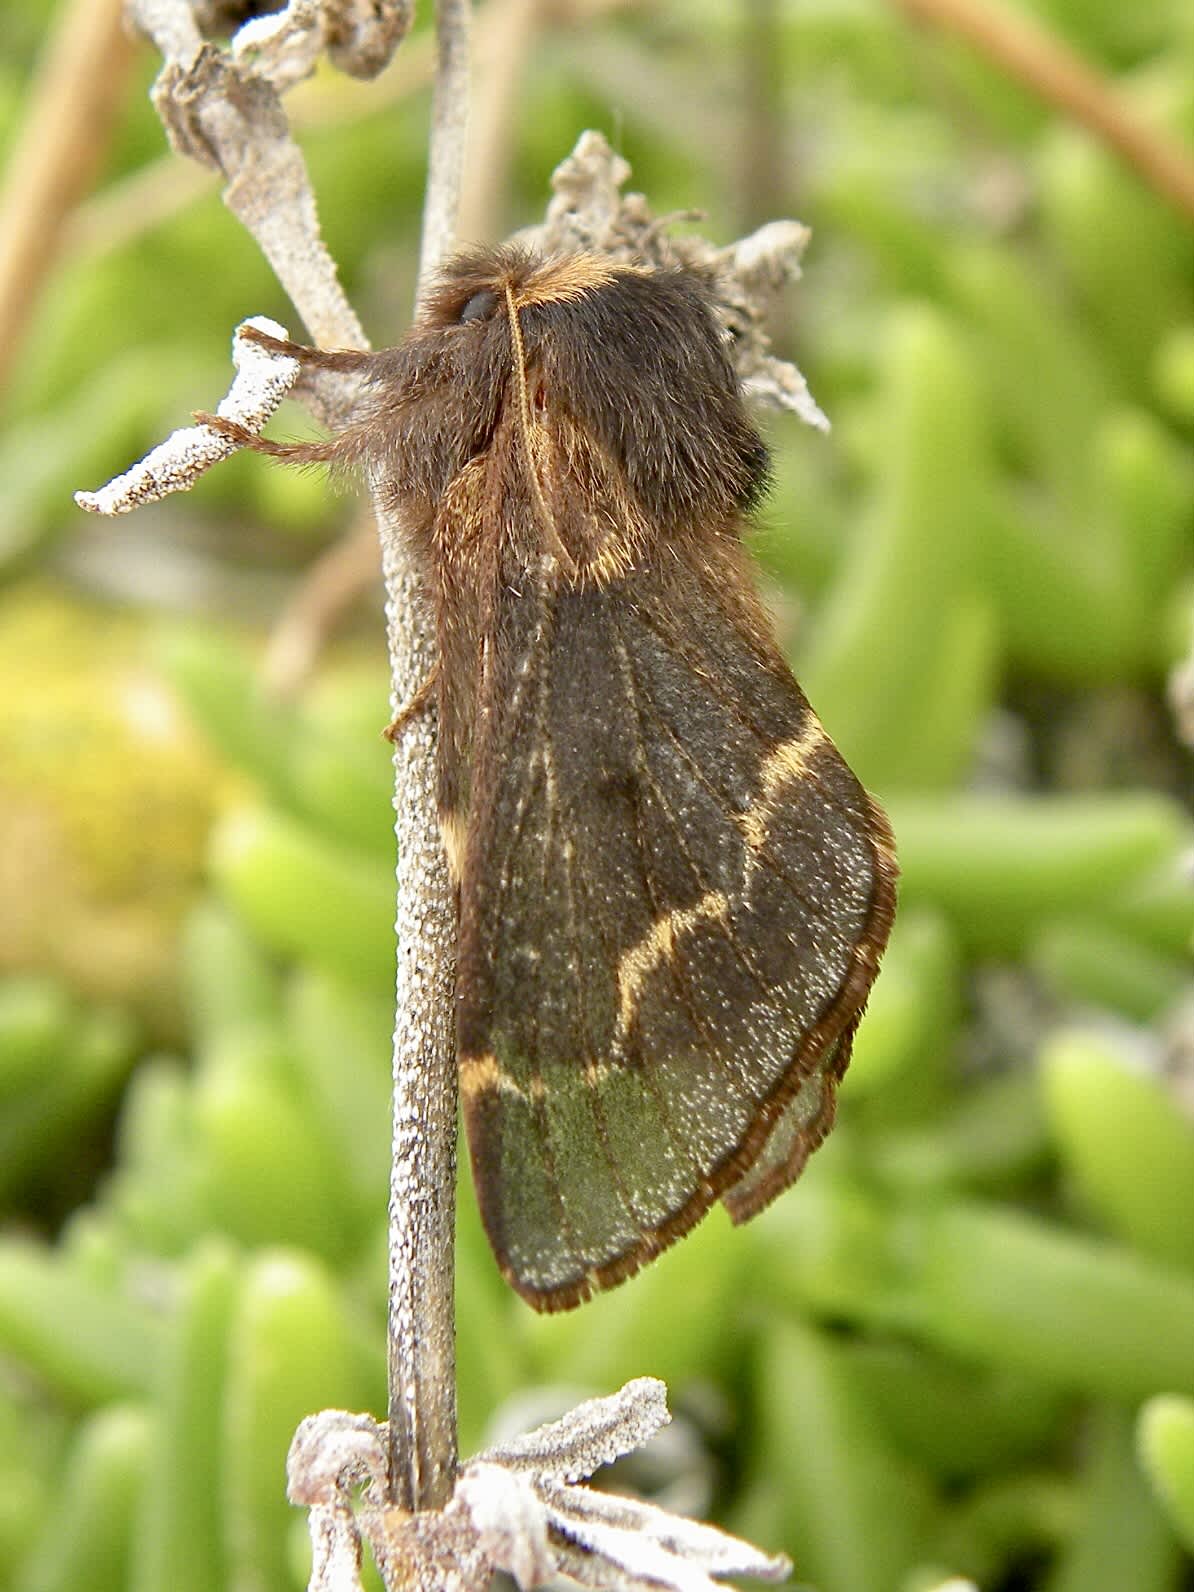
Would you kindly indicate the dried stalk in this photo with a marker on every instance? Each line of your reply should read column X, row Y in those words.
column 449, row 134
column 1027, row 51
column 147, row 198
column 73, row 106
column 514, row 28
column 520, row 1507
column 421, row 1323
column 224, row 109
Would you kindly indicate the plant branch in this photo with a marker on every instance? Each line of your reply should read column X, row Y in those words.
column 262, row 381
column 1045, row 64
column 223, row 108
column 449, row 137
column 514, row 26
column 421, row 1322
column 764, row 168
column 147, row 198
column 225, row 111
column 520, row 1507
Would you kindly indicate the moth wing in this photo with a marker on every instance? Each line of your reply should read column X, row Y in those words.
column 672, row 908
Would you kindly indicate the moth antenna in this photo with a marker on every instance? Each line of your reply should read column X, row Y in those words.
column 293, row 452
column 565, row 558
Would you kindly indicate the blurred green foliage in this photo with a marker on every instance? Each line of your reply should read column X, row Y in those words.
column 965, row 1343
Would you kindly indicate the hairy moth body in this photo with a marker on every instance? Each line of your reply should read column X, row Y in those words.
column 673, row 893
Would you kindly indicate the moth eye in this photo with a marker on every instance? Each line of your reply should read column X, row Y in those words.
column 480, row 307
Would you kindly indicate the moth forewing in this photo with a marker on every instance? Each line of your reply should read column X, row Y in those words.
column 673, row 893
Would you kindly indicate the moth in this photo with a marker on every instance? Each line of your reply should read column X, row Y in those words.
column 673, row 893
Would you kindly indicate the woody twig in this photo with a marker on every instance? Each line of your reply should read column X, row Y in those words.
column 1027, row 51
column 72, row 110
column 223, row 107
column 422, row 1345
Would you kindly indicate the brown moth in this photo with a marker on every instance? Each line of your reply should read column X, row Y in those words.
column 673, row 893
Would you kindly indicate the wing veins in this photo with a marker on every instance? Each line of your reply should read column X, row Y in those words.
column 665, row 1118
column 611, row 960
column 679, row 977
column 740, row 955
column 511, row 735
column 598, row 1110
column 503, row 881
column 731, row 704
column 761, row 858
column 538, row 1095
column 538, row 774
column 595, row 1102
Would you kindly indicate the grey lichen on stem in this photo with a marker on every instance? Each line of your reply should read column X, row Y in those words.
column 223, row 108
column 421, row 1321
column 589, row 211
column 260, row 384
column 422, row 1228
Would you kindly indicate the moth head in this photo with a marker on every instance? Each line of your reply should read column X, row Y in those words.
column 438, row 395
column 632, row 359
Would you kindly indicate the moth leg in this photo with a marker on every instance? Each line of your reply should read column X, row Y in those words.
column 414, row 706
column 291, row 452
column 347, row 360
column 275, row 345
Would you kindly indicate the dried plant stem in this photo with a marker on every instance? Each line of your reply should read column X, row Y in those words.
column 147, row 198
column 449, row 136
column 229, row 116
column 233, row 123
column 514, row 26
column 764, row 169
column 1043, row 63
column 73, row 104
column 422, row 1349
column 421, row 1321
